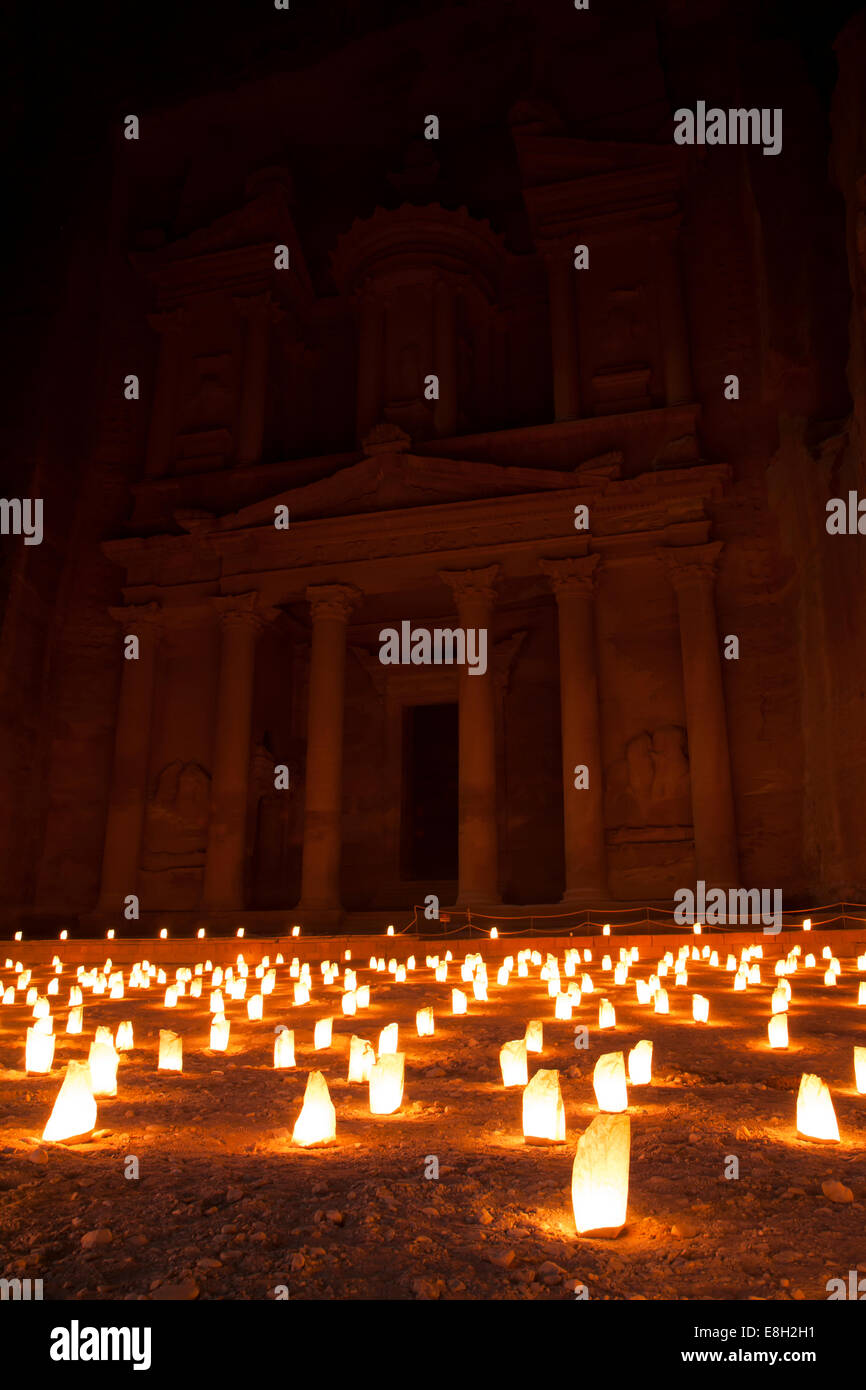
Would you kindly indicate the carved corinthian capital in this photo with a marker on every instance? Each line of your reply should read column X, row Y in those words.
column 691, row 564
column 472, row 586
column 333, row 601
column 577, row 575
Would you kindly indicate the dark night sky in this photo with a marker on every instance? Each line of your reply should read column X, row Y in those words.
column 68, row 69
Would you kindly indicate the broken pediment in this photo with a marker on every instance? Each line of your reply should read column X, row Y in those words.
column 393, row 481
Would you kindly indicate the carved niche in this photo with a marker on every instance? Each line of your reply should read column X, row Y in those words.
column 176, row 817
column 647, row 790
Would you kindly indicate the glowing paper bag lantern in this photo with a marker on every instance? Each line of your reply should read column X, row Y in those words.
column 640, row 1063
column 543, row 1110
column 479, row 987
column 38, row 1051
column 284, row 1048
column 816, row 1118
column 255, row 1006
column 361, row 1059
column 302, row 994
column 317, row 1122
column 661, row 1002
column 861, row 993
column 103, row 1068
column 563, row 1006
column 74, row 1113
column 388, row 1039
column 534, row 1035
column 363, row 997
column 349, row 1003
column 777, row 1030
column 75, row 1019
column 599, row 1177
column 170, row 1051
column 124, row 1041
column 608, row 1080
column 512, row 1061
column 606, row 1014
column 386, row 1084
column 322, row 1033
column 700, row 1008
column 458, row 1001
column 219, row 1033
column 424, row 1023
column 860, row 1069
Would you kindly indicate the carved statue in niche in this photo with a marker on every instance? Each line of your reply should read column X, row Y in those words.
column 277, row 827
column 176, row 818
column 623, row 339
column 211, row 399
column 649, row 785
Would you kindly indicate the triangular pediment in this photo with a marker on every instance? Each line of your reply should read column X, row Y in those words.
column 390, row 482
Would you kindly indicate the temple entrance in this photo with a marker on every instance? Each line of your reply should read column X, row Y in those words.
column 430, row 792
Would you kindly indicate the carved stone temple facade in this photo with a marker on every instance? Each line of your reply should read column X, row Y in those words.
column 575, row 482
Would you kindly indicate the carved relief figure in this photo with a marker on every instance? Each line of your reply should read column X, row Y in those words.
column 649, row 785
column 177, row 812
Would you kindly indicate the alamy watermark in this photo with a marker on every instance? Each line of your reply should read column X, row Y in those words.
column 736, row 126
column 720, row 905
column 438, row 646
column 22, row 516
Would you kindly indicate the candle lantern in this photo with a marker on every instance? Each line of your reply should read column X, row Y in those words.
column 103, row 1061
column 860, row 1069
column 388, row 1039
column 284, row 1048
column 74, row 1112
column 606, row 1014
column 219, row 1033
column 543, row 1110
column 38, row 1051
column 700, row 1008
column 170, row 1051
column 563, row 1006
column 608, row 1080
column 777, row 1030
column 75, row 1019
column 424, row 1023
column 661, row 1002
column 512, row 1061
column 386, row 1084
column 361, row 1059
column 816, row 1118
column 640, row 1063
column 349, row 1003
column 535, row 1035
column 322, row 1034
column 255, row 1006
column 599, row 1176
column 458, row 1001
column 317, row 1122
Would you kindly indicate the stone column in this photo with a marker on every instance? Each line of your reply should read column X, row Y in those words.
column 128, row 799
column 371, row 359
column 675, row 333
column 445, row 357
column 692, row 572
column 478, row 868
column 331, row 605
column 161, row 433
column 240, row 621
column 563, row 332
column 573, row 581
column 259, row 313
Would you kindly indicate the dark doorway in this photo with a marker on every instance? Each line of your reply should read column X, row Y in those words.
column 430, row 785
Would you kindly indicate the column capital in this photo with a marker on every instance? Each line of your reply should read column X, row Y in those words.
column 333, row 600
column 468, row 585
column 242, row 610
column 258, row 307
column 166, row 321
column 691, row 564
column 138, row 618
column 575, row 575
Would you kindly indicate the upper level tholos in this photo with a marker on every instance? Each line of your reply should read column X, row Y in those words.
column 436, row 327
